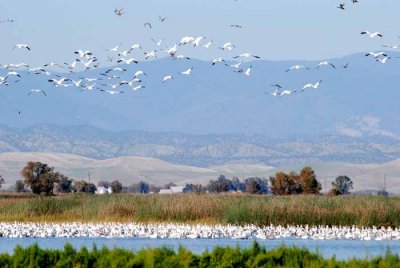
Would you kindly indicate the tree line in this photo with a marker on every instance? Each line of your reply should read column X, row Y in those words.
column 42, row 179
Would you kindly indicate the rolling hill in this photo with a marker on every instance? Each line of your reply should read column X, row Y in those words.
column 133, row 169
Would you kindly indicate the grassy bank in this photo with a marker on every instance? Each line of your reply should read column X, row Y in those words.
column 207, row 208
column 256, row 256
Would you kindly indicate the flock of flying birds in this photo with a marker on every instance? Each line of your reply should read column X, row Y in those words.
column 110, row 80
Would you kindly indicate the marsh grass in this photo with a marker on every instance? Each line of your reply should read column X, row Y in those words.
column 207, row 208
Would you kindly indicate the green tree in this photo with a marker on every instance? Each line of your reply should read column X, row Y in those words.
column 116, row 187
column 342, row 185
column 309, row 181
column 2, row 181
column 40, row 177
column 222, row 184
column 282, row 184
column 105, row 184
column 19, row 186
column 65, row 184
column 255, row 185
column 141, row 187
column 85, row 187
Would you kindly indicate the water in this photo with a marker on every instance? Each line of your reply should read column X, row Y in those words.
column 342, row 249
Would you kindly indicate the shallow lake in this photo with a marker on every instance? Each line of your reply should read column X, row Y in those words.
column 342, row 249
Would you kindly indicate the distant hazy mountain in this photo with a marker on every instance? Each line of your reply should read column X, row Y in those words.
column 352, row 117
column 360, row 101
column 199, row 150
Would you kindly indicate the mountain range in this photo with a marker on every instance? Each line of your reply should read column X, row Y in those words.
column 215, row 116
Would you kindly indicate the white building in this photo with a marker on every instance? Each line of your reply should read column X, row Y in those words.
column 103, row 190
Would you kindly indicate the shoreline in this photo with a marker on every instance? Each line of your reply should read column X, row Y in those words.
column 186, row 231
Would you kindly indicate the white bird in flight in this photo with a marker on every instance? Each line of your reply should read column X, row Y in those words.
column 310, row 85
column 168, row 77
column 208, row 45
column 376, row 55
column 22, row 46
column 246, row 55
column 227, row 46
column 372, row 35
column 114, row 49
column 297, row 67
column 37, row 91
column 150, row 54
column 325, row 63
column 384, row 60
column 188, row 71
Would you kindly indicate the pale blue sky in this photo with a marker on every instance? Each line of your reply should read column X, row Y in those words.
column 274, row 30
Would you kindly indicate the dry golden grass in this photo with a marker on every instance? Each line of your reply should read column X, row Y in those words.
column 206, row 208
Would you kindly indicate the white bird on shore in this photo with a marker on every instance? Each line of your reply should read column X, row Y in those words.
column 310, row 85
column 188, row 71
column 22, row 46
column 372, row 35
column 168, row 77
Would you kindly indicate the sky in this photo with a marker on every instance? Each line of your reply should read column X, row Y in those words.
column 274, row 30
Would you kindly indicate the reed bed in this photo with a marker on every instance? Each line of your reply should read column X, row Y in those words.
column 207, row 208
